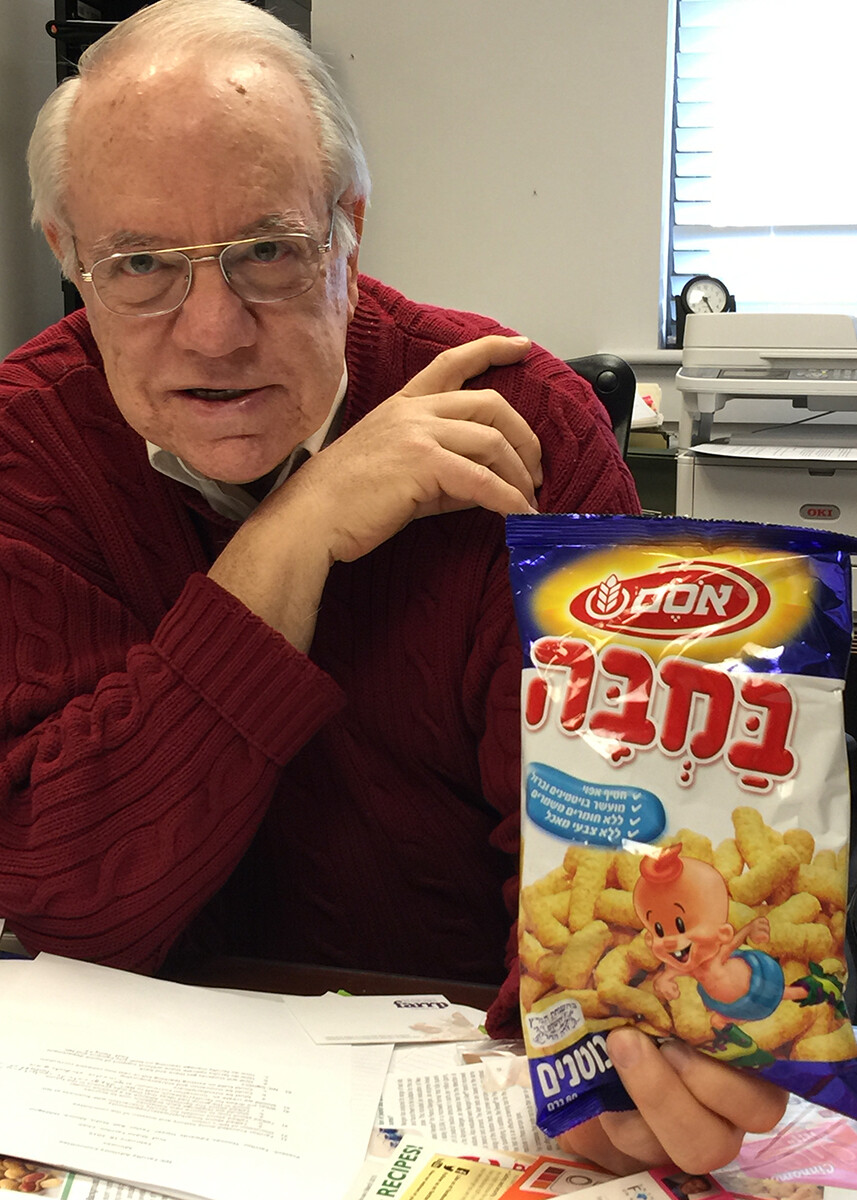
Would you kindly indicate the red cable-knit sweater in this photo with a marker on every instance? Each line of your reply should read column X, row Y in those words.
column 158, row 740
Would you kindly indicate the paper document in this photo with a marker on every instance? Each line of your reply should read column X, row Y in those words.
column 52, row 1183
column 364, row 1019
column 661, row 1183
column 405, row 1165
column 481, row 1105
column 803, row 454
column 646, row 412
column 181, row 1090
column 554, row 1175
column 401, row 1163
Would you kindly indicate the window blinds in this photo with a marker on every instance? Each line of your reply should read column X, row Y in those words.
column 764, row 163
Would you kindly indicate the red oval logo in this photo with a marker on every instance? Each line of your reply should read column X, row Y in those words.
column 679, row 598
column 820, row 512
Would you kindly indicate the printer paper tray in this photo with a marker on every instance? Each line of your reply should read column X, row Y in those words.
column 839, row 455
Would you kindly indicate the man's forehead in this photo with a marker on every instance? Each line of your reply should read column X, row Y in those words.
column 174, row 96
column 227, row 140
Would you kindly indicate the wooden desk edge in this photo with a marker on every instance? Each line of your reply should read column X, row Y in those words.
column 301, row 979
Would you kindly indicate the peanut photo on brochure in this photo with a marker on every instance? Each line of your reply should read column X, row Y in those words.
column 28, row 1178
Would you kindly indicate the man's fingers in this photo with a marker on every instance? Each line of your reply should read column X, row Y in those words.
column 492, row 448
column 752, row 1103
column 693, row 1136
column 489, row 409
column 691, row 1110
column 636, row 1138
column 453, row 367
column 431, row 448
column 591, row 1141
column 696, row 1108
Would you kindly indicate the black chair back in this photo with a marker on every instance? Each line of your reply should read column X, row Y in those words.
column 615, row 385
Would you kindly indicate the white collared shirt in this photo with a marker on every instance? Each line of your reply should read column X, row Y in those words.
column 231, row 499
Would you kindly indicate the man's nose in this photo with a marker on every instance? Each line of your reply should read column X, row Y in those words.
column 214, row 320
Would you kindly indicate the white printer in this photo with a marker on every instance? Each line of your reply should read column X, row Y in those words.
column 794, row 460
column 786, row 465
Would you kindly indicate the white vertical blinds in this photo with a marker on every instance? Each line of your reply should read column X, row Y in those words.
column 764, row 186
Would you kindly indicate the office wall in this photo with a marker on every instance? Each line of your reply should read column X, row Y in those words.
column 516, row 148
column 30, row 295
column 516, row 151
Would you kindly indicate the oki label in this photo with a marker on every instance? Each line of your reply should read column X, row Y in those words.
column 820, row 512
column 677, row 598
column 682, row 707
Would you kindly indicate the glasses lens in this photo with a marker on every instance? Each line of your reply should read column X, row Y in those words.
column 274, row 269
column 141, row 284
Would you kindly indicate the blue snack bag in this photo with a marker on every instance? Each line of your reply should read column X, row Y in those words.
column 685, row 800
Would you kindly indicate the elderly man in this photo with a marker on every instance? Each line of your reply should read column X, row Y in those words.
column 249, row 701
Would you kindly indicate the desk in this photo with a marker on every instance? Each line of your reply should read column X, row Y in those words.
column 653, row 466
column 299, row 979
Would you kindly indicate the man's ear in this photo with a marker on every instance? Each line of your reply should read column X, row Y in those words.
column 358, row 212
column 52, row 237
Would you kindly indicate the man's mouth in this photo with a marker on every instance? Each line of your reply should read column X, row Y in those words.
column 216, row 393
column 681, row 955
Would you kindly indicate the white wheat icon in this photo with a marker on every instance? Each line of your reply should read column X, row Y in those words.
column 607, row 594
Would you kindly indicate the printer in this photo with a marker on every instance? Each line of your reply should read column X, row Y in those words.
column 790, row 457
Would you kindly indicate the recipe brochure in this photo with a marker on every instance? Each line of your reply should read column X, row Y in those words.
column 51, row 1183
column 405, row 1165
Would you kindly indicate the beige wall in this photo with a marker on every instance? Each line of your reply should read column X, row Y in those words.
column 30, row 295
column 516, row 148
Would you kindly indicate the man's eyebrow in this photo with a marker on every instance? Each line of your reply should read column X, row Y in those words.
column 279, row 222
column 128, row 240
column 122, row 240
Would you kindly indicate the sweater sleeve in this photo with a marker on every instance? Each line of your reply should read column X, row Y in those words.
column 134, row 771
column 145, row 713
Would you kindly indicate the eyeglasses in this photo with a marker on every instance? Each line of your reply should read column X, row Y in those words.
column 261, row 270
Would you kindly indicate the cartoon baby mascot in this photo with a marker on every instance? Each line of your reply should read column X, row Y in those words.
column 684, row 906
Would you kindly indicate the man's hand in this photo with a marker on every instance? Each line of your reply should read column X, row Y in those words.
column 691, row 1110
column 431, row 448
column 434, row 447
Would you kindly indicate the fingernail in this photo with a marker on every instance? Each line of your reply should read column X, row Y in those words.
column 624, row 1048
column 678, row 1054
column 520, row 340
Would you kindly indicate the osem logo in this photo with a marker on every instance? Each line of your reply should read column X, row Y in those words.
column 820, row 512
column 678, row 598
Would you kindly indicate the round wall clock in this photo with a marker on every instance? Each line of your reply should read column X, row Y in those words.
column 701, row 294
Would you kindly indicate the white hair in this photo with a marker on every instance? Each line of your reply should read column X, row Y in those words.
column 231, row 25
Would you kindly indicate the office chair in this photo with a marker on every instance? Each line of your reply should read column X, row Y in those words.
column 615, row 385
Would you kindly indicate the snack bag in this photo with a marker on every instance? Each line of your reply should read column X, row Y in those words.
column 685, row 800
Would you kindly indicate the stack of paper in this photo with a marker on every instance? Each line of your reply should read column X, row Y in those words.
column 182, row 1090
